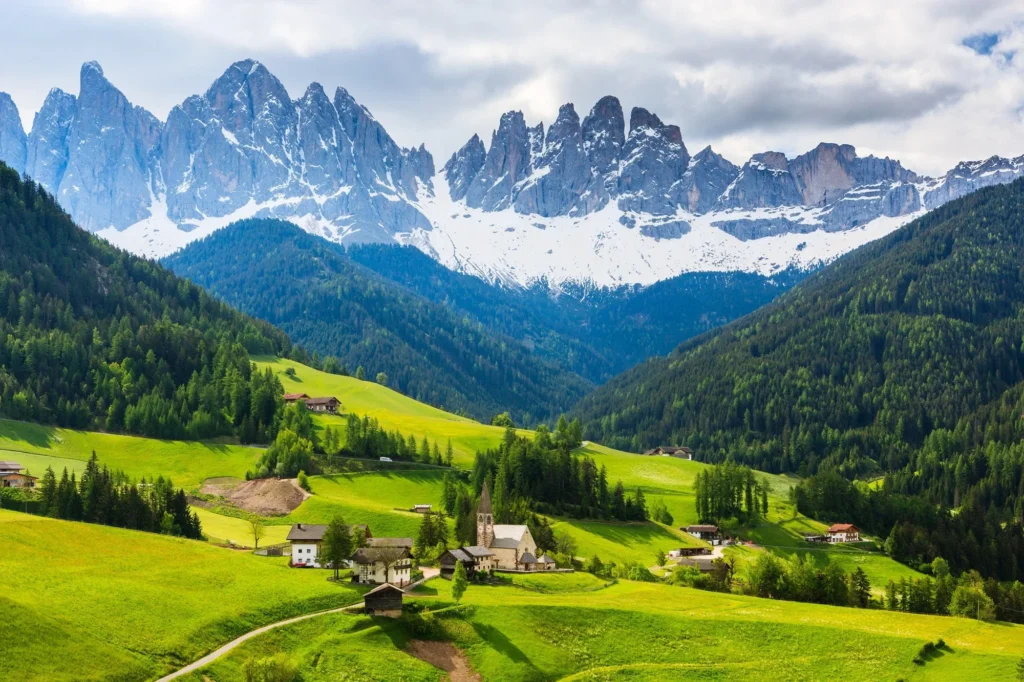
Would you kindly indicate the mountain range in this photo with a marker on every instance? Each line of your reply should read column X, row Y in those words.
column 593, row 202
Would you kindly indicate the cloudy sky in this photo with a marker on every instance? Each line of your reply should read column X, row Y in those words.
column 930, row 82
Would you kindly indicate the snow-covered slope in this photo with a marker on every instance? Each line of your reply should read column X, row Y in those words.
column 520, row 249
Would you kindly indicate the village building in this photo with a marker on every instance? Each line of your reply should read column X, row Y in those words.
column 382, row 564
column 11, row 476
column 543, row 563
column 473, row 559
column 688, row 551
column 668, row 451
column 705, row 564
column 385, row 600
column 509, row 543
column 295, row 397
column 422, row 508
column 329, row 405
column 705, row 532
column 843, row 532
column 306, row 538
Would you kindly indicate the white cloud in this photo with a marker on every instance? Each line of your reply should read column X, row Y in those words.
column 890, row 77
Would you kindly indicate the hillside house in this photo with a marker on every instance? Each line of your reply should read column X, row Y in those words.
column 9, row 467
column 17, row 481
column 509, row 543
column 383, row 564
column 385, row 600
column 473, row 559
column 668, row 451
column 688, row 551
column 306, row 538
column 705, row 532
column 422, row 508
column 843, row 532
column 329, row 405
column 290, row 398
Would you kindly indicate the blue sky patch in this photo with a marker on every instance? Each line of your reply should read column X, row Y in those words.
column 982, row 43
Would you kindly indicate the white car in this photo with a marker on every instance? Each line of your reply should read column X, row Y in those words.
column 385, row 459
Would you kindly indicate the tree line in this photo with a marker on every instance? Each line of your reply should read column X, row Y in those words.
column 730, row 490
column 110, row 498
column 95, row 338
column 544, row 474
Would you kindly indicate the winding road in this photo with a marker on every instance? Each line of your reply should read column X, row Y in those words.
column 209, row 658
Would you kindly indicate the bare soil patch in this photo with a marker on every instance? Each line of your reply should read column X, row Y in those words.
column 265, row 496
column 447, row 657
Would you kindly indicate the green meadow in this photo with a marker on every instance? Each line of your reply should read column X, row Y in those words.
column 125, row 605
column 187, row 463
column 574, row 627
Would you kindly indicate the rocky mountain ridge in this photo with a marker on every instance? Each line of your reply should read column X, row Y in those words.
column 244, row 148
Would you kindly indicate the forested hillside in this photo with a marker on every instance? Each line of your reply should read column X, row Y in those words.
column 92, row 337
column 858, row 366
column 321, row 298
column 596, row 333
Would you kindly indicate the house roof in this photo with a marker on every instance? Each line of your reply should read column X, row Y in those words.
column 315, row 531
column 371, row 555
column 527, row 558
column 386, row 587
column 706, row 528
column 704, row 563
column 7, row 464
column 408, row 543
column 295, row 396
column 842, row 528
column 322, row 401
column 306, row 531
column 484, row 506
column 477, row 551
column 461, row 555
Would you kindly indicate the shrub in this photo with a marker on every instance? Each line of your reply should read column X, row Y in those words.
column 273, row 669
column 304, row 482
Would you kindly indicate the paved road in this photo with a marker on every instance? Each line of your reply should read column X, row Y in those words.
column 428, row 573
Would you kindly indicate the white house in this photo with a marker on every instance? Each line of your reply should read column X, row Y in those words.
column 306, row 539
column 705, row 532
column 379, row 565
column 843, row 532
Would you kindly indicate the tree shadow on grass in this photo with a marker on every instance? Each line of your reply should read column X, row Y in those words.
column 503, row 645
column 36, row 436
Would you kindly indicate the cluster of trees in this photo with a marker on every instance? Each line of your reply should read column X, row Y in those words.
column 799, row 579
column 110, row 498
column 93, row 337
column 546, row 474
column 364, row 437
column 311, row 289
column 969, row 596
column 291, row 453
column 728, row 491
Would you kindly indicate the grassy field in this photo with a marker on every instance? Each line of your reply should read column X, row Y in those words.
column 187, row 463
column 574, row 627
column 392, row 409
column 223, row 529
column 126, row 605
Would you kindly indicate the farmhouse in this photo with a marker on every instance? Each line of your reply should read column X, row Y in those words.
column 382, row 564
column 843, row 532
column 509, row 543
column 668, row 451
column 705, row 532
column 306, row 538
column 295, row 397
column 11, row 476
column 473, row 559
column 422, row 508
column 385, row 600
column 330, row 405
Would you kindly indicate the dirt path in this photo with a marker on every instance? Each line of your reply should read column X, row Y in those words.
column 211, row 657
column 447, row 657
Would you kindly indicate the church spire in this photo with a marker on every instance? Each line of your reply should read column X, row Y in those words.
column 485, row 501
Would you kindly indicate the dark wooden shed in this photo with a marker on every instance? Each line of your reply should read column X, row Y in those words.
column 385, row 600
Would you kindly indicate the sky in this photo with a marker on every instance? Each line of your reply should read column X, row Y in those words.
column 930, row 82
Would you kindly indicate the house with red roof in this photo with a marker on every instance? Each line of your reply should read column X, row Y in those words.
column 843, row 532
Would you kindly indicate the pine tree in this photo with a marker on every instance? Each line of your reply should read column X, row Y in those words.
column 459, row 582
column 449, row 454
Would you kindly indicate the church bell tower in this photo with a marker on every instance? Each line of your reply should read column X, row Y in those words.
column 484, row 519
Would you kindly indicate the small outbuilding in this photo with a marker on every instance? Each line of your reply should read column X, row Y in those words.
column 422, row 508
column 330, row 405
column 385, row 600
column 670, row 451
column 295, row 397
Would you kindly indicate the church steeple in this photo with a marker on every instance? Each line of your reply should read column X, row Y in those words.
column 484, row 519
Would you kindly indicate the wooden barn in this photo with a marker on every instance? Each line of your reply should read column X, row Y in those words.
column 385, row 600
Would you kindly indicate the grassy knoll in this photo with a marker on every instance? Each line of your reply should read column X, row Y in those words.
column 125, row 605
column 392, row 409
column 572, row 627
column 222, row 529
column 335, row 647
column 187, row 463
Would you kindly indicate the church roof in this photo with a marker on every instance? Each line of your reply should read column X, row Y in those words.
column 485, row 501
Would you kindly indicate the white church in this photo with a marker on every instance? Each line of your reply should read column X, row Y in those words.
column 513, row 546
